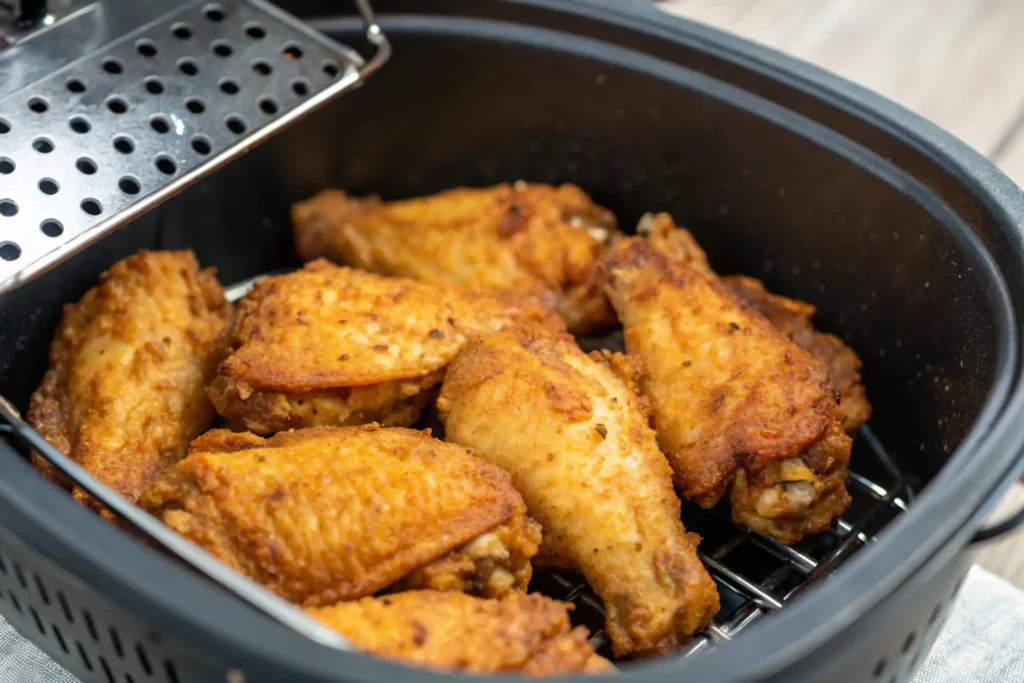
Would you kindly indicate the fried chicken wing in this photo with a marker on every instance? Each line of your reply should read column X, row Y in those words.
column 791, row 317
column 125, row 392
column 739, row 409
column 525, row 634
column 327, row 514
column 577, row 442
column 534, row 239
column 328, row 345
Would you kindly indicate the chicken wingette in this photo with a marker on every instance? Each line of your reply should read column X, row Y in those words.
column 519, row 634
column 576, row 439
column 338, row 513
column 789, row 316
column 740, row 410
column 334, row 346
column 538, row 239
column 125, row 392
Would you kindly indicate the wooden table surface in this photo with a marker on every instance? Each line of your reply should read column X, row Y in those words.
column 959, row 63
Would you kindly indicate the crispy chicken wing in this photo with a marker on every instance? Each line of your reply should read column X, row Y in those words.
column 338, row 513
column 328, row 345
column 576, row 439
column 791, row 317
column 739, row 409
column 124, row 394
column 534, row 239
column 525, row 634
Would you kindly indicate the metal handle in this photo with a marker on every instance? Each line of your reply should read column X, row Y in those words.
column 376, row 38
column 1003, row 527
column 1000, row 528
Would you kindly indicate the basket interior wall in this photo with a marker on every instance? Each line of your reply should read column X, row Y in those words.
column 887, row 275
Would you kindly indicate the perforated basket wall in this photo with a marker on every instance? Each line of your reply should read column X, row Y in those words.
column 93, row 640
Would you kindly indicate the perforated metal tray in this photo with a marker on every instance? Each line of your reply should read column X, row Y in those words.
column 115, row 106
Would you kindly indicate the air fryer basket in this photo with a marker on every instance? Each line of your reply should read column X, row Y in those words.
column 907, row 241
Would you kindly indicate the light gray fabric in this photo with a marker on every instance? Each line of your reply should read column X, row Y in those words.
column 982, row 642
column 23, row 662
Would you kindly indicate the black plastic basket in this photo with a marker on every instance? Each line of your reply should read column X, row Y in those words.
column 908, row 242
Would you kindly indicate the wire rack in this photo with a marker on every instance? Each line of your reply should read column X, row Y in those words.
column 756, row 575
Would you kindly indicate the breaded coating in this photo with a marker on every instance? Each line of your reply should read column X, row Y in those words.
column 328, row 345
column 739, row 409
column 520, row 634
column 576, row 440
column 125, row 392
column 793, row 319
column 790, row 316
column 338, row 513
column 540, row 240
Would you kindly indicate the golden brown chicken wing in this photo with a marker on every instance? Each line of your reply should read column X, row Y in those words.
column 739, row 409
column 576, row 439
column 524, row 634
column 125, row 394
column 791, row 317
column 327, row 514
column 335, row 346
column 532, row 239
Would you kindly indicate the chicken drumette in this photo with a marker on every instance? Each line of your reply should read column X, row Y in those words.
column 740, row 410
column 576, row 440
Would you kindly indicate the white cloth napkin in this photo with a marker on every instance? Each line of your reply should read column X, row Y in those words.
column 982, row 642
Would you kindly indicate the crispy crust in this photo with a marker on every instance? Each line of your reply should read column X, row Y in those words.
column 394, row 403
column 326, row 514
column 674, row 243
column 328, row 345
column 490, row 565
column 124, row 394
column 731, row 396
column 526, row 634
column 532, row 239
column 576, row 440
column 793, row 318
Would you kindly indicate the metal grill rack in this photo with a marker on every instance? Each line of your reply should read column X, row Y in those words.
column 757, row 575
